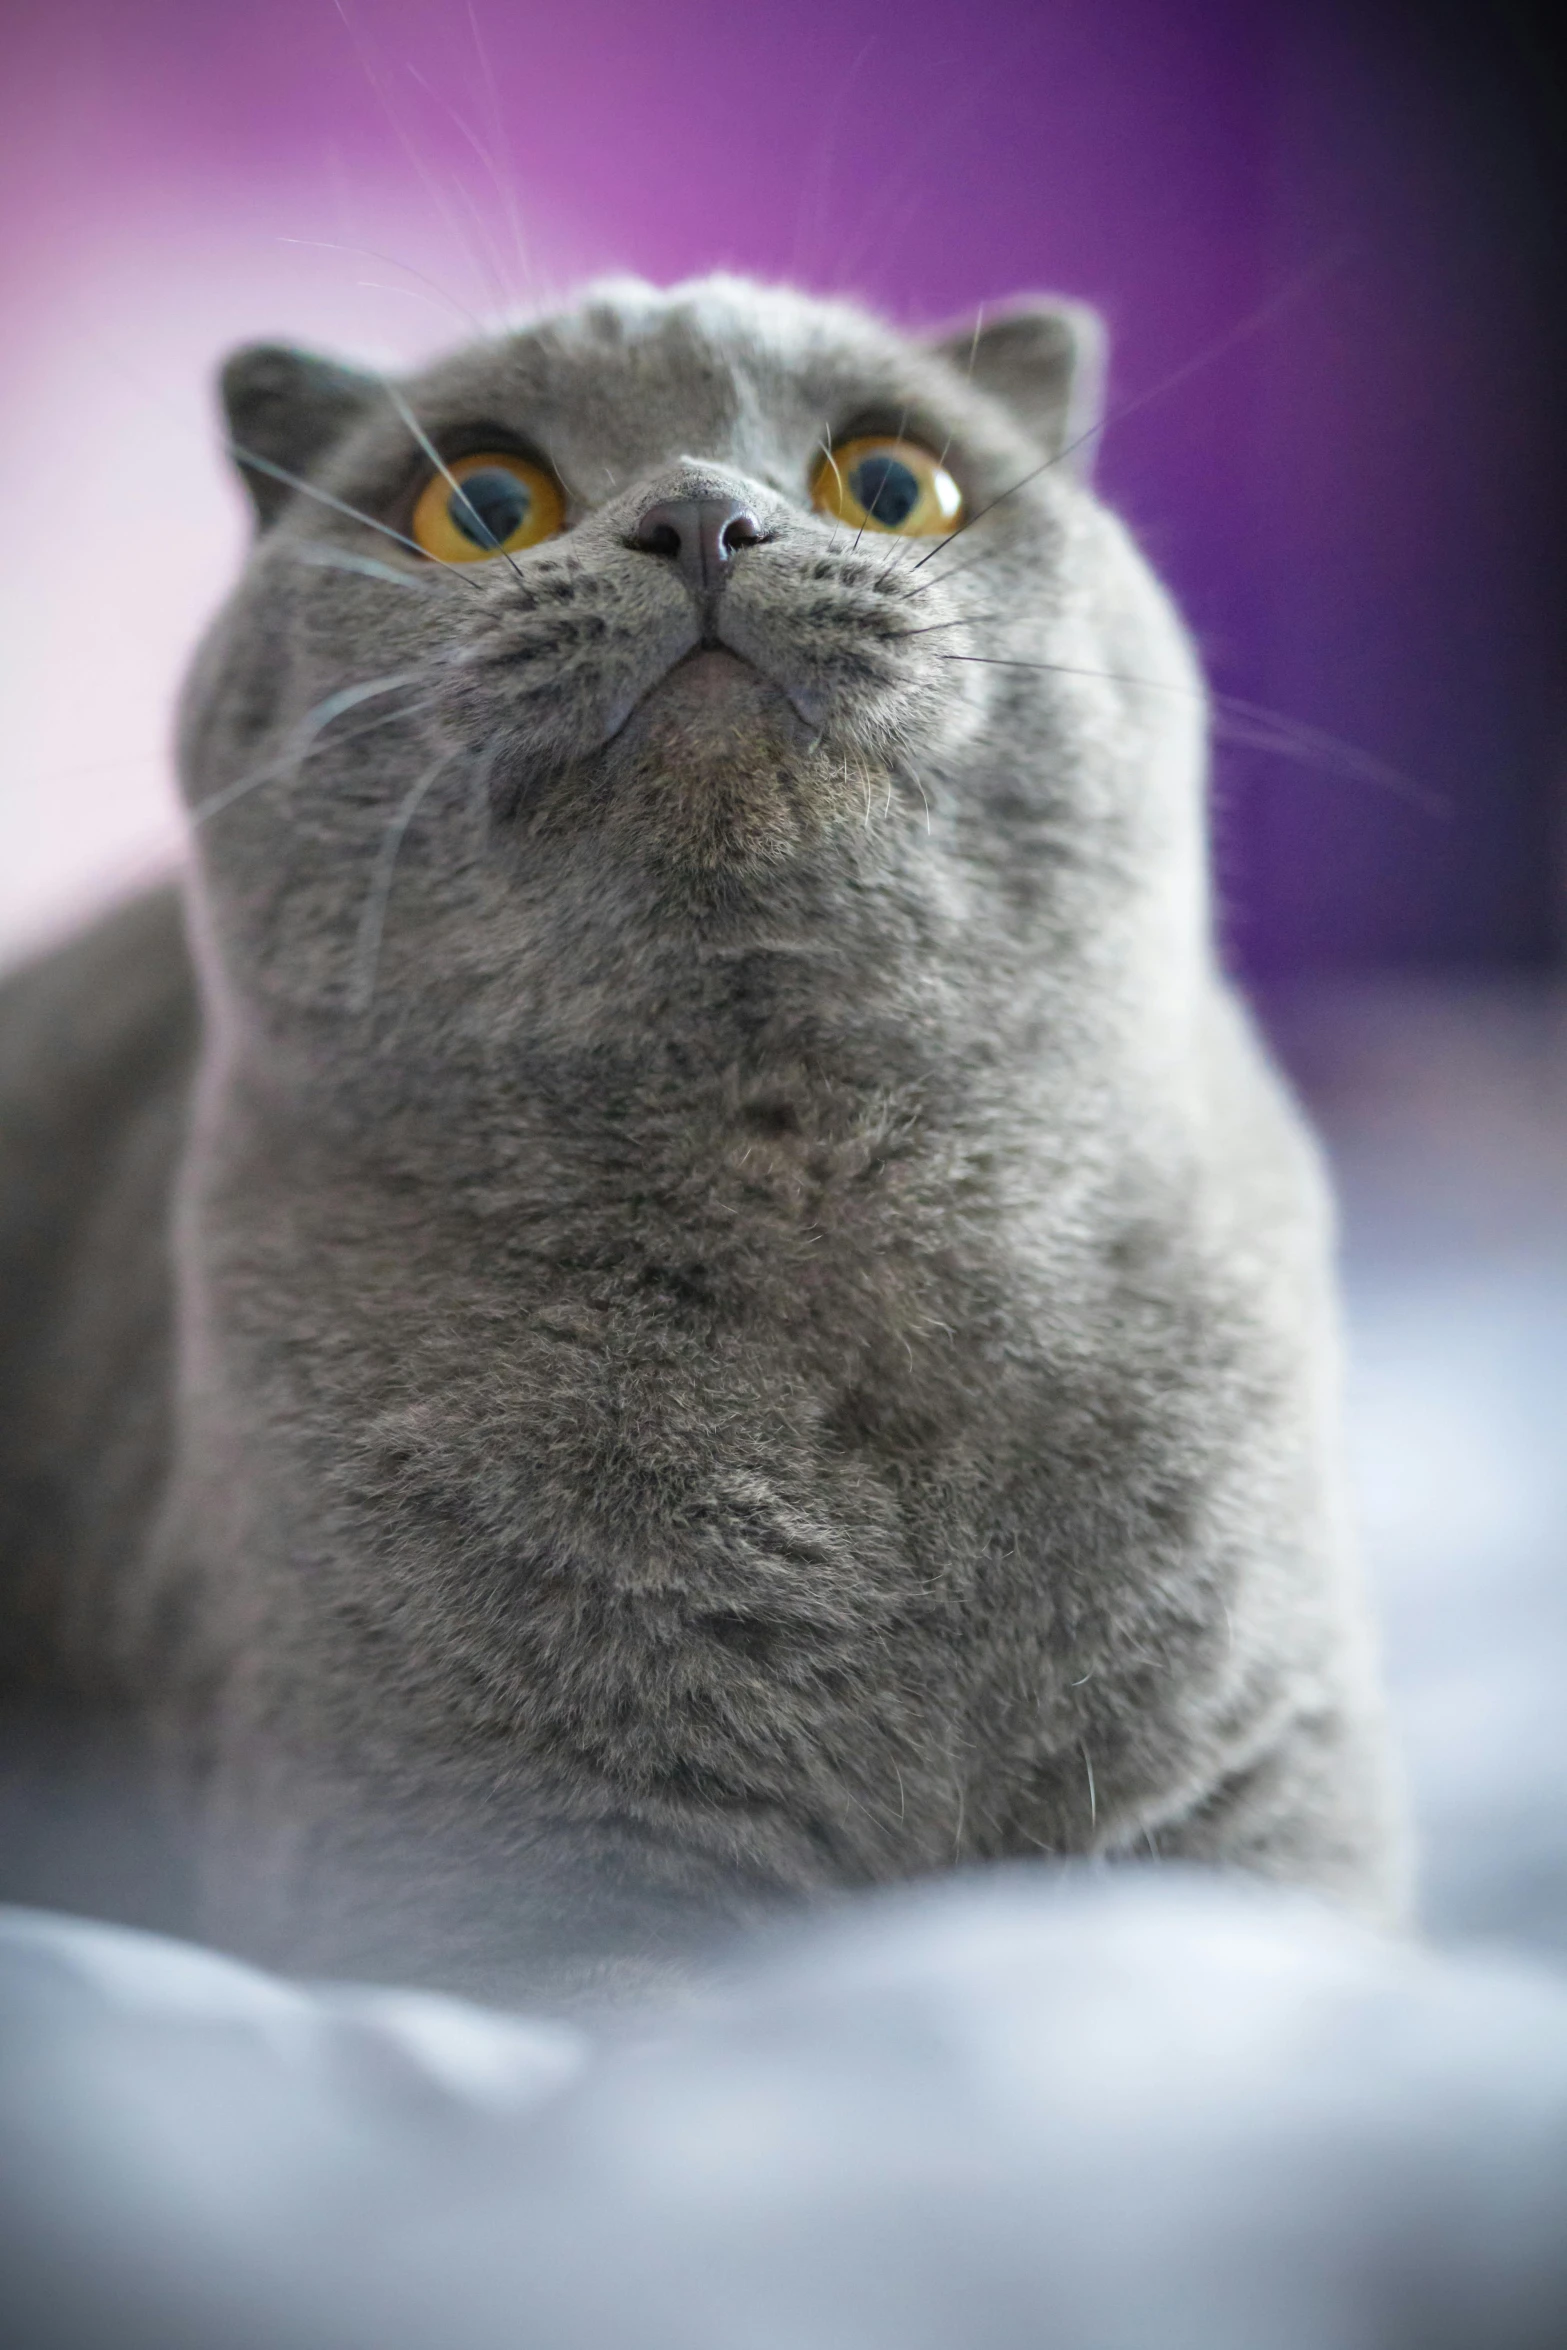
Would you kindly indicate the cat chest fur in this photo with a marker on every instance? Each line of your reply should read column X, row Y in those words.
column 746, row 1463
column 677, row 1483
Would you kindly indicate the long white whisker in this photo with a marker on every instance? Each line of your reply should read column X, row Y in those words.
column 440, row 464
column 395, row 124
column 312, row 726
column 1308, row 746
column 308, row 489
column 372, row 921
column 370, row 253
column 1271, row 730
column 379, row 285
column 486, row 246
column 340, row 559
column 487, row 159
column 973, row 354
column 825, row 446
column 505, row 188
column 1261, row 317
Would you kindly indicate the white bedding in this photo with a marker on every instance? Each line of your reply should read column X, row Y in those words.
column 1111, row 2111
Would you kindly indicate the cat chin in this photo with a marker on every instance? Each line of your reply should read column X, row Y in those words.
column 716, row 769
column 712, row 699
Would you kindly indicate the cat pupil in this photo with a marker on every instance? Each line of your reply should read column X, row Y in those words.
column 887, row 489
column 490, row 506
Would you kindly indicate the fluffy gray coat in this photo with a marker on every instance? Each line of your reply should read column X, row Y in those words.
column 728, row 1306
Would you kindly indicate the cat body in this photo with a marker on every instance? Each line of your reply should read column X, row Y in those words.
column 739, row 1311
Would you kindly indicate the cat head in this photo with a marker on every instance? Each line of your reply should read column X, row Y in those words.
column 664, row 638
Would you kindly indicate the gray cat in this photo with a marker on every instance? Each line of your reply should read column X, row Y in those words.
column 728, row 1306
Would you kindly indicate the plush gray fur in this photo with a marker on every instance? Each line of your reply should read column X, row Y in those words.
column 748, row 1316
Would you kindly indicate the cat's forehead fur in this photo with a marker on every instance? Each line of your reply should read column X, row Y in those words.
column 717, row 338
column 759, row 377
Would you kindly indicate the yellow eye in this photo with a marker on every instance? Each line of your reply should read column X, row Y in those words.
column 501, row 503
column 884, row 484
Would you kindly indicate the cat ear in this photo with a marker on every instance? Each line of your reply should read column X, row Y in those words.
column 286, row 408
column 1045, row 360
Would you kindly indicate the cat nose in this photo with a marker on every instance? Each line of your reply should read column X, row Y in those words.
column 701, row 535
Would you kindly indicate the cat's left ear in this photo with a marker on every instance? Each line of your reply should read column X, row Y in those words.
column 1043, row 359
column 285, row 408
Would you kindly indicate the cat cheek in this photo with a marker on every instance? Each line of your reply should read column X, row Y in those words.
column 812, row 705
column 546, row 714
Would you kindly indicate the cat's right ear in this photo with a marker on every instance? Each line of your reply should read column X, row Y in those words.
column 284, row 409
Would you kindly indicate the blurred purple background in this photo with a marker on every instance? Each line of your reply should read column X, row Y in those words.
column 1360, row 502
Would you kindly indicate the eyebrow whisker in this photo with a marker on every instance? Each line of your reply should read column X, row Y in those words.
column 441, row 467
column 393, row 261
column 827, row 450
column 293, row 481
column 903, row 423
column 317, row 558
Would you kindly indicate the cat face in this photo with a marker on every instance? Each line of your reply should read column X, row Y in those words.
column 672, row 627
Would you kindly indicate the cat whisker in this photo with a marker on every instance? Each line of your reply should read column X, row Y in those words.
column 903, row 422
column 437, row 292
column 443, row 210
column 311, row 728
column 814, row 178
column 505, row 188
column 479, row 791
column 1309, row 746
column 1263, row 316
column 934, row 627
column 249, row 457
column 980, row 513
column 900, row 557
column 487, row 157
column 953, row 570
column 826, row 448
column 1272, row 730
column 973, row 354
column 486, row 245
column 372, row 920
column 379, row 285
column 340, row 559
column 440, row 464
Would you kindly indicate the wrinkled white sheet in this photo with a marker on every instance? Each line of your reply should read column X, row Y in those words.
column 1111, row 2112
